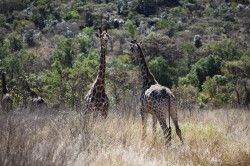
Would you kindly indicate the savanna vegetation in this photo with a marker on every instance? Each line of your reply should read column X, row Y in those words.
column 198, row 48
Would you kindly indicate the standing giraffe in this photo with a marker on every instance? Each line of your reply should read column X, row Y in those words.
column 6, row 99
column 96, row 98
column 155, row 99
column 36, row 102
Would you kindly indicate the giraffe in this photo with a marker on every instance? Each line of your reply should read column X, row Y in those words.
column 155, row 99
column 36, row 102
column 6, row 102
column 96, row 98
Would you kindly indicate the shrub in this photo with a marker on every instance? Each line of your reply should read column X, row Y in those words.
column 122, row 7
column 156, row 44
column 162, row 71
column 72, row 14
column 15, row 42
column 41, row 2
column 178, row 11
column 4, row 51
column 131, row 28
column 186, row 96
column 238, row 72
column 166, row 24
column 218, row 90
column 65, row 52
column 208, row 66
column 11, row 5
column 147, row 7
column 39, row 20
column 226, row 49
column 188, row 49
column 85, row 40
column 18, row 63
column 2, row 20
column 29, row 38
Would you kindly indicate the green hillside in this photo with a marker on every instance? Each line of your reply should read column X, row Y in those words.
column 199, row 48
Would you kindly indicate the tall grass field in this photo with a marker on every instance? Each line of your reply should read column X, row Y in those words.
column 215, row 137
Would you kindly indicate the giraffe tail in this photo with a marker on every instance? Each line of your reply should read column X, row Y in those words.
column 173, row 115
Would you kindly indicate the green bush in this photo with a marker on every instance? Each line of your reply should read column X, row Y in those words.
column 188, row 50
column 162, row 71
column 41, row 2
column 225, row 49
column 166, row 24
column 15, row 41
column 66, row 52
column 39, row 19
column 218, row 90
column 72, row 14
column 85, row 40
column 178, row 11
column 208, row 66
column 131, row 28
column 18, row 63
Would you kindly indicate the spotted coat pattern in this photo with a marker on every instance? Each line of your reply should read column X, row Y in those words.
column 156, row 99
column 6, row 101
column 96, row 99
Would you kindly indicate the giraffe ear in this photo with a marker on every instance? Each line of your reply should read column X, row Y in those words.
column 97, row 35
column 106, row 29
column 100, row 31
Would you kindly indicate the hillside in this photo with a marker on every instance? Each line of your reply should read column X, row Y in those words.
column 180, row 38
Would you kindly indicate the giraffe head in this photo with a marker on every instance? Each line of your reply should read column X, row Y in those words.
column 104, row 36
column 135, row 48
column 4, row 85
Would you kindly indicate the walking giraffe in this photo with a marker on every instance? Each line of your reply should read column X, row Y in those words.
column 36, row 102
column 96, row 98
column 155, row 98
column 6, row 101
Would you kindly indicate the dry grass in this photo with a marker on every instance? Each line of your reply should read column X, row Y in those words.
column 218, row 137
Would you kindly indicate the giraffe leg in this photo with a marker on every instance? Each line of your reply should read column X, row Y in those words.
column 87, row 125
column 9, row 106
column 144, row 124
column 173, row 114
column 104, row 113
column 154, row 127
column 4, row 107
column 166, row 131
column 95, row 114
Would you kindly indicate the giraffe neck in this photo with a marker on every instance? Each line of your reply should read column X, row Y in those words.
column 4, row 86
column 147, row 77
column 100, row 80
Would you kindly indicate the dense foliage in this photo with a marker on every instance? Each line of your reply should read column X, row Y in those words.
column 198, row 48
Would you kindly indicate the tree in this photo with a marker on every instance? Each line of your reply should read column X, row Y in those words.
column 218, row 89
column 162, row 71
column 66, row 52
column 147, row 7
column 238, row 73
column 15, row 42
column 208, row 66
column 130, row 27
